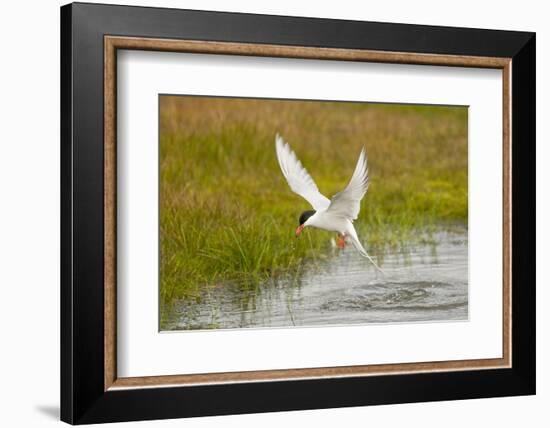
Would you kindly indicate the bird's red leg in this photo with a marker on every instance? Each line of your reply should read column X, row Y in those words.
column 343, row 241
column 338, row 241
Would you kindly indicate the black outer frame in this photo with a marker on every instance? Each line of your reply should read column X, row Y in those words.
column 83, row 399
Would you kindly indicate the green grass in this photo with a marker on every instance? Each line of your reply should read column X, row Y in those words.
column 227, row 213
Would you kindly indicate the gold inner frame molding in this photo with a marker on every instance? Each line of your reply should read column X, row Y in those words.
column 113, row 43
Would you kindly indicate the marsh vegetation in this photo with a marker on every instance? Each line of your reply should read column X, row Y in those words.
column 228, row 217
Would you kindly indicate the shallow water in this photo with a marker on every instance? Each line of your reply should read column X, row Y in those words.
column 426, row 282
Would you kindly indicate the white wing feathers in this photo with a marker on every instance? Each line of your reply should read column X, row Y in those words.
column 298, row 178
column 344, row 206
column 347, row 203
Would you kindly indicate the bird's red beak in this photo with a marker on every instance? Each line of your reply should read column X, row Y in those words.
column 299, row 230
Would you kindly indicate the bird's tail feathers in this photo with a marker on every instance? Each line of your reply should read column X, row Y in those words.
column 363, row 252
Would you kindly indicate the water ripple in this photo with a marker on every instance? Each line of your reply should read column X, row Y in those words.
column 429, row 283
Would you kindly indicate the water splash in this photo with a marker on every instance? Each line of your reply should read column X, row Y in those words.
column 427, row 282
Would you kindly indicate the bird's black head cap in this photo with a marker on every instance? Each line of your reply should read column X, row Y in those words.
column 305, row 215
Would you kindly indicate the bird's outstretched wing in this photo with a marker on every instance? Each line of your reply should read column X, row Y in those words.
column 347, row 203
column 298, row 178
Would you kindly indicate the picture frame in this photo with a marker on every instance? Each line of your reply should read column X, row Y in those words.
column 91, row 390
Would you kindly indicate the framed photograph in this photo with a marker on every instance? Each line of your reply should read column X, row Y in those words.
column 265, row 213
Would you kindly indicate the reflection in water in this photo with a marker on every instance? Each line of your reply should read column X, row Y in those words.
column 426, row 282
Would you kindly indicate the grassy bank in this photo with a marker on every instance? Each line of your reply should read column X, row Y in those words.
column 227, row 213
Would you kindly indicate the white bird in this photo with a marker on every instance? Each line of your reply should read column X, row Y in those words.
column 336, row 214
